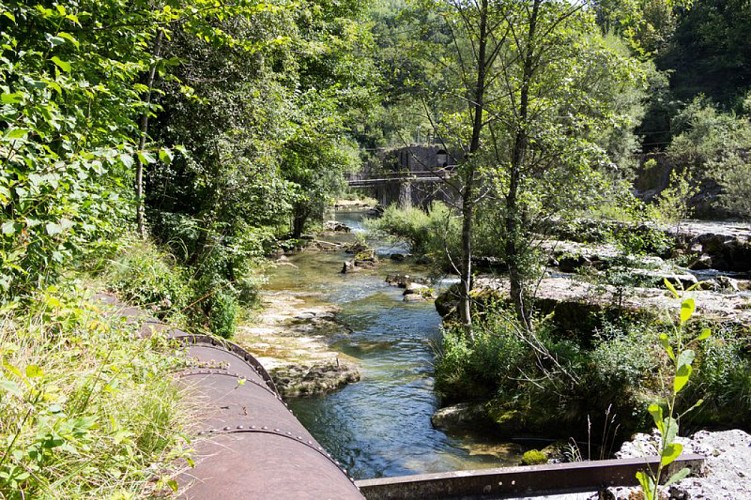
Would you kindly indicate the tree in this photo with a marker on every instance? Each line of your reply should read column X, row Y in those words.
column 538, row 87
column 710, row 52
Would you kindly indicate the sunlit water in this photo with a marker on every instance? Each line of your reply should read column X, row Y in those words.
column 381, row 425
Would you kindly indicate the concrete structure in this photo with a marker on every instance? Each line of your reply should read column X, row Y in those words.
column 414, row 175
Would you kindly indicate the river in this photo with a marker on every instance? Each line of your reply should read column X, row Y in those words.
column 380, row 426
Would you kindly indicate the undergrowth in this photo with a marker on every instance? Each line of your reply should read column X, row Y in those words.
column 86, row 406
column 550, row 382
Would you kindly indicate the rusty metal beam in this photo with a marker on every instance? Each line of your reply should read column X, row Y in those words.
column 510, row 482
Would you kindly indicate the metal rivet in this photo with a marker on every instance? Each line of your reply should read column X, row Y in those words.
column 212, row 430
column 200, row 433
column 252, row 426
column 299, row 437
column 265, row 428
column 227, row 428
column 277, row 430
column 240, row 427
column 289, row 433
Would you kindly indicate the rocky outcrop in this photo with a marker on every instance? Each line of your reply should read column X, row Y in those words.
column 291, row 338
column 725, row 246
column 416, row 289
column 336, row 227
column 364, row 259
column 305, row 380
column 573, row 301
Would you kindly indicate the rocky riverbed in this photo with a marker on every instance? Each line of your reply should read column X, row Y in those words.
column 291, row 338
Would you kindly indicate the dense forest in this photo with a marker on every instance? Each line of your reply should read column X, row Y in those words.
column 162, row 150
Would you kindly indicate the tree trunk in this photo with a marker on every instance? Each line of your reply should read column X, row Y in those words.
column 468, row 193
column 300, row 216
column 143, row 132
column 514, row 224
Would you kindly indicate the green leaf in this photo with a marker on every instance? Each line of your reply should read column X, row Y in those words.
column 678, row 476
column 10, row 16
column 16, row 133
column 9, row 227
column 63, row 65
column 670, row 453
column 146, row 158
column 172, row 485
column 127, row 160
column 669, row 430
column 10, row 387
column 33, row 371
column 666, row 345
column 670, row 287
column 70, row 38
column 647, row 484
column 656, row 411
column 53, row 229
column 681, row 378
column 704, row 335
column 55, row 40
column 166, row 156
column 686, row 357
column 13, row 98
column 688, row 307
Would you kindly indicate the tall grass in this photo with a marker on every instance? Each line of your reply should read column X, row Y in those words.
column 87, row 408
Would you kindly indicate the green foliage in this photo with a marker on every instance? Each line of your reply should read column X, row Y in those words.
column 88, row 409
column 470, row 369
column 672, row 204
column 534, row 457
column 712, row 146
column 710, row 52
column 433, row 233
column 142, row 275
column 68, row 102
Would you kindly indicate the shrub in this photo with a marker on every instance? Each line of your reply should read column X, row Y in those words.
column 432, row 232
column 472, row 369
column 534, row 457
column 88, row 409
column 143, row 275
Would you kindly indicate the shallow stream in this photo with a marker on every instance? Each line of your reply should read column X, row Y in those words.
column 380, row 426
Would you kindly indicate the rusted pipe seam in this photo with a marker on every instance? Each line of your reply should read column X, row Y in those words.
column 206, row 371
column 230, row 347
column 277, row 432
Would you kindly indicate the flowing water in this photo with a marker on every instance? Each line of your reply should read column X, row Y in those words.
column 380, row 426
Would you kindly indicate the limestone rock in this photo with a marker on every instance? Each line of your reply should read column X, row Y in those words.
column 460, row 417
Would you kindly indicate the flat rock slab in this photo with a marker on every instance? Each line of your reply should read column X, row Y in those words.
column 290, row 337
column 714, row 306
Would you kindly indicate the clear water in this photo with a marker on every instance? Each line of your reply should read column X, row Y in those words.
column 380, row 426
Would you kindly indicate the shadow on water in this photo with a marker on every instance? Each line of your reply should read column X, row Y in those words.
column 381, row 425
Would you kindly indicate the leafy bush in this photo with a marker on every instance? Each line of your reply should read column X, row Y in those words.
column 88, row 408
column 143, row 275
column 66, row 143
column 433, row 232
column 467, row 369
column 534, row 457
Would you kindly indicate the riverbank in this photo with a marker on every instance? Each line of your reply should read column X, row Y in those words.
column 291, row 338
